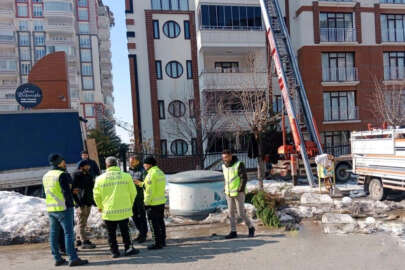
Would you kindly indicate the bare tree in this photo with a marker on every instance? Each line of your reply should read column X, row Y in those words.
column 388, row 103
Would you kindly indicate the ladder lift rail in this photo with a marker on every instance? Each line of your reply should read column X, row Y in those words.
column 283, row 83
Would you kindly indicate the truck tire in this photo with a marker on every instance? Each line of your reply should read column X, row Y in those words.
column 342, row 174
column 376, row 189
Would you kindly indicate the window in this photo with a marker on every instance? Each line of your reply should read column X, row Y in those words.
column 194, row 146
column 227, row 67
column 191, row 107
column 392, row 28
column 189, row 66
column 25, row 68
column 187, row 30
column 162, row 113
column 338, row 67
column 85, row 41
column 39, row 39
column 83, row 14
column 22, row 10
column 84, row 28
column 37, row 10
column 179, row 147
column 177, row 108
column 89, row 110
column 158, row 66
column 339, row 106
column 231, row 17
column 82, row 3
column 87, row 69
column 130, row 34
column 171, row 29
column 23, row 26
column 156, row 34
column 39, row 53
column 336, row 27
column 88, row 96
column 24, row 39
column 169, row 4
column 85, row 55
column 25, row 54
column 277, row 104
column 88, row 83
column 336, row 143
column 163, row 147
column 394, row 65
column 8, row 65
column 38, row 26
column 58, row 6
column 174, row 69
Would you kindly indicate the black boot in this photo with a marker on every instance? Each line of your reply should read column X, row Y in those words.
column 78, row 262
column 61, row 262
column 155, row 246
column 78, row 243
column 131, row 251
column 231, row 235
column 141, row 238
column 252, row 232
column 88, row 245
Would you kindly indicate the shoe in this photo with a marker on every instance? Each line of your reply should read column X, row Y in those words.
column 252, row 232
column 88, row 245
column 116, row 255
column 231, row 235
column 61, row 262
column 141, row 239
column 154, row 246
column 78, row 243
column 131, row 251
column 78, row 262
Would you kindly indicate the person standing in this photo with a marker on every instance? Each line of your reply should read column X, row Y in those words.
column 139, row 214
column 235, row 184
column 155, row 199
column 83, row 181
column 114, row 194
column 94, row 169
column 59, row 204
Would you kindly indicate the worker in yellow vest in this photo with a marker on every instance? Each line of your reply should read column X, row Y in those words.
column 155, row 199
column 235, row 186
column 59, row 204
column 114, row 194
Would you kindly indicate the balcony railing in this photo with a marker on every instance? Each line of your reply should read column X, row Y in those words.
column 233, row 81
column 7, row 39
column 341, row 74
column 392, row 1
column 393, row 35
column 394, row 73
column 335, row 0
column 337, row 150
column 336, row 115
column 338, row 34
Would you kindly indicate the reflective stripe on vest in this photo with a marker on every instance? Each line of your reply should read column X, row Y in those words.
column 232, row 179
column 55, row 201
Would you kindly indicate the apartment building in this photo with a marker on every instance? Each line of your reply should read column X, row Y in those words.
column 31, row 29
column 343, row 48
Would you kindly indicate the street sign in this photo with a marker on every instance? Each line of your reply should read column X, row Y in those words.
column 28, row 95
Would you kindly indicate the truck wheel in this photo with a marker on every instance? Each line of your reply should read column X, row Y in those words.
column 376, row 189
column 342, row 174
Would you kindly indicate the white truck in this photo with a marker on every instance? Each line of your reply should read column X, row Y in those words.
column 379, row 160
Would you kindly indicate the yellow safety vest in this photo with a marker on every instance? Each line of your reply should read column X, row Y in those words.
column 155, row 185
column 232, row 179
column 114, row 193
column 55, row 201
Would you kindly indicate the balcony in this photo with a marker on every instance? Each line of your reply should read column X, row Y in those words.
column 232, row 81
column 335, row 116
column 392, row 1
column 339, row 75
column 6, row 13
column 395, row 73
column 338, row 34
column 60, row 28
column 7, row 39
column 230, row 38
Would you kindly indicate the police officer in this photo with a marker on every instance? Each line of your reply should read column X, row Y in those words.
column 154, row 192
column 59, row 204
column 114, row 194
column 235, row 185
column 139, row 215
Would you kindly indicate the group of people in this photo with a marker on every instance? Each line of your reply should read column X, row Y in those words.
column 118, row 196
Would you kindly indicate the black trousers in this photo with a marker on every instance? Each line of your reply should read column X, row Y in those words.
column 157, row 223
column 139, row 216
column 112, row 234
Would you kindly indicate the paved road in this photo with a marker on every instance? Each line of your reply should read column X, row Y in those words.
column 194, row 247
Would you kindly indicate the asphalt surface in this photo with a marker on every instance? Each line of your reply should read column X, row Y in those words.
column 202, row 247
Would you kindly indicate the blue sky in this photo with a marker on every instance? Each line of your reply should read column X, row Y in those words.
column 121, row 79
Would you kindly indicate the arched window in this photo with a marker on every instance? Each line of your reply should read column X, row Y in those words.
column 177, row 108
column 179, row 147
column 171, row 29
column 174, row 69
